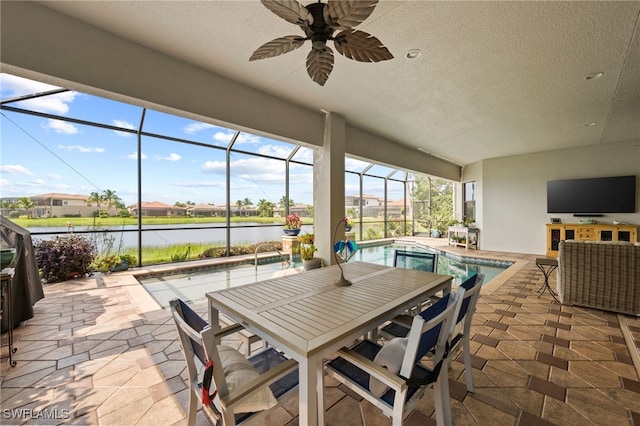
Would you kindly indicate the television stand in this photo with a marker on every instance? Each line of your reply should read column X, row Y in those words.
column 588, row 232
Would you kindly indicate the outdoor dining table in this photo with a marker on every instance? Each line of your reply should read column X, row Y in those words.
column 308, row 317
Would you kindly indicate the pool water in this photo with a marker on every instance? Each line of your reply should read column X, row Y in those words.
column 447, row 265
column 191, row 286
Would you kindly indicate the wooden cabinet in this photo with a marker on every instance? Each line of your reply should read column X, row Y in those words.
column 588, row 232
column 463, row 236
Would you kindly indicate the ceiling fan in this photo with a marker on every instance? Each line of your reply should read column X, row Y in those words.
column 319, row 21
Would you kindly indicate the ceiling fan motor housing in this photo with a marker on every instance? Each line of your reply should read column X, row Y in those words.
column 320, row 31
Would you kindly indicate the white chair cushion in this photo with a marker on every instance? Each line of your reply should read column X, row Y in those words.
column 389, row 357
column 238, row 371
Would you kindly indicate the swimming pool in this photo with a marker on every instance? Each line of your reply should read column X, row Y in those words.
column 192, row 285
column 449, row 264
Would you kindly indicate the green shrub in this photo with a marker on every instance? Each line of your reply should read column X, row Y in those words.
column 238, row 250
column 105, row 262
column 129, row 258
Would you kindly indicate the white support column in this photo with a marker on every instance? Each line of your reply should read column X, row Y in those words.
column 328, row 186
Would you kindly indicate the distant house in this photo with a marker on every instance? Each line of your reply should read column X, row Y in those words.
column 373, row 206
column 156, row 208
column 302, row 210
column 395, row 209
column 203, row 210
column 54, row 205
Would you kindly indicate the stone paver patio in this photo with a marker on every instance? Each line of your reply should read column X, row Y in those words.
column 100, row 350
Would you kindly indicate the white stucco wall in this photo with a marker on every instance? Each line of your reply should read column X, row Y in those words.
column 512, row 191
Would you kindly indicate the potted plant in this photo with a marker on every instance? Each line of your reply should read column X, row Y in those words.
column 126, row 261
column 307, row 250
column 292, row 224
column 347, row 224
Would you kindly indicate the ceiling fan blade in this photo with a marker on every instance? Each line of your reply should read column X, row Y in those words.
column 290, row 11
column 361, row 46
column 346, row 14
column 320, row 64
column 277, row 47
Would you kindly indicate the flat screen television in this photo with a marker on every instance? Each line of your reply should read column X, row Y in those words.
column 595, row 195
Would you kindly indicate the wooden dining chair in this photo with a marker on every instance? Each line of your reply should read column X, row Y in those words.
column 460, row 333
column 231, row 387
column 391, row 377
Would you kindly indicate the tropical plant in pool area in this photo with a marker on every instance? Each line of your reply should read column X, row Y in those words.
column 292, row 221
column 63, row 258
column 307, row 249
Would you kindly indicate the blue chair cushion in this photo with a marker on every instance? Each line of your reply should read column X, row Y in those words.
column 196, row 322
column 467, row 285
column 369, row 350
column 429, row 339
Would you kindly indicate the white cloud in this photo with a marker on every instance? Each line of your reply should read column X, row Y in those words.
column 222, row 138
column 355, row 165
column 15, row 169
column 60, row 187
column 81, row 148
column 256, row 169
column 196, row 127
column 171, row 157
column 4, row 183
column 54, row 176
column 59, row 126
column 134, row 156
column 214, row 166
column 202, row 184
column 124, row 125
column 305, row 154
column 13, row 86
column 275, row 150
column 245, row 138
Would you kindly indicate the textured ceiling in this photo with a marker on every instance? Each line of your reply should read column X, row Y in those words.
column 494, row 78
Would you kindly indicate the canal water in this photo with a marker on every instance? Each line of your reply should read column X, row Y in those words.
column 162, row 235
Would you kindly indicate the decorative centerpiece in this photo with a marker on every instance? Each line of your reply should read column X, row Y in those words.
column 347, row 224
column 292, row 224
column 345, row 249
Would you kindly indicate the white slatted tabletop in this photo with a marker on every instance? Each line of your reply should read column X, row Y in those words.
column 308, row 317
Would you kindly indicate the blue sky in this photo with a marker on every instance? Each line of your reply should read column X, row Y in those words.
column 40, row 155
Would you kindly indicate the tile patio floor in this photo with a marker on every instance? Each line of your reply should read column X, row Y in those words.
column 100, row 351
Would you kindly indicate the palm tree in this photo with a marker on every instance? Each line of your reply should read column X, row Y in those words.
column 25, row 203
column 110, row 197
column 283, row 202
column 5, row 205
column 265, row 208
column 95, row 197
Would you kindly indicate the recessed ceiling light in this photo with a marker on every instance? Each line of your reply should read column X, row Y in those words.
column 593, row 123
column 413, row 54
column 593, row 75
